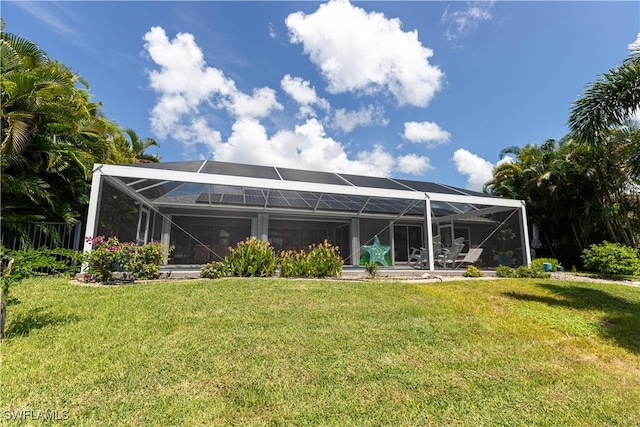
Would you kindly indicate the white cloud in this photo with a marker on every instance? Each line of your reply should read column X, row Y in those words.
column 635, row 46
column 506, row 159
column 188, row 90
column 462, row 22
column 413, row 164
column 477, row 169
column 260, row 104
column 185, row 82
column 365, row 52
column 308, row 147
column 428, row 132
column 305, row 95
column 346, row 121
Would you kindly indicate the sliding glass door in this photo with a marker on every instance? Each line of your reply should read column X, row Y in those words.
column 406, row 237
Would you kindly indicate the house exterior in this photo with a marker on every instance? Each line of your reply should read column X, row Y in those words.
column 203, row 207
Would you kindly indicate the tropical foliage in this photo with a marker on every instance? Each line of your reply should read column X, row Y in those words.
column 109, row 255
column 584, row 188
column 611, row 258
column 51, row 135
column 252, row 257
column 322, row 260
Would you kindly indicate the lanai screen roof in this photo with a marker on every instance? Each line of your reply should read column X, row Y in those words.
column 207, row 183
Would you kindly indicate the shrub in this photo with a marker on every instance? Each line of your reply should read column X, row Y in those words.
column 144, row 260
column 611, row 258
column 110, row 255
column 472, row 271
column 294, row 264
column 43, row 261
column 252, row 257
column 372, row 269
column 505, row 271
column 322, row 260
column 531, row 272
column 537, row 263
column 105, row 257
column 215, row 270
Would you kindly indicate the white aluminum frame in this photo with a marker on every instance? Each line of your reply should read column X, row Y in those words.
column 100, row 171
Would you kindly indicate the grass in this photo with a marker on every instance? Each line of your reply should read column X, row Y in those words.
column 311, row 352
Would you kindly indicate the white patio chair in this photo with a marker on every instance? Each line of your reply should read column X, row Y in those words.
column 470, row 258
column 450, row 255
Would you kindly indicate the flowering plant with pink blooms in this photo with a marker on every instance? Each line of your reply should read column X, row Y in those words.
column 109, row 255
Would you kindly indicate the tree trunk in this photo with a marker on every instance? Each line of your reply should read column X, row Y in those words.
column 4, row 297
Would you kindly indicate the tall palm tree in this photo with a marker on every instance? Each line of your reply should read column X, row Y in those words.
column 137, row 147
column 601, row 120
column 18, row 58
column 608, row 102
column 51, row 135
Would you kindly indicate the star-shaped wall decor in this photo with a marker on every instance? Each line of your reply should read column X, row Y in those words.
column 377, row 251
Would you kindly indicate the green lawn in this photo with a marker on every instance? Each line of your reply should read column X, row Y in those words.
column 312, row 352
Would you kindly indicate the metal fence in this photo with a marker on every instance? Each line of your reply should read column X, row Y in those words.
column 41, row 234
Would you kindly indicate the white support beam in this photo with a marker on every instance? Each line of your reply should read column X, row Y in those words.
column 472, row 214
column 429, row 228
column 92, row 213
column 524, row 233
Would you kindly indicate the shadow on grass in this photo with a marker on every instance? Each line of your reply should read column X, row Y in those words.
column 36, row 318
column 621, row 321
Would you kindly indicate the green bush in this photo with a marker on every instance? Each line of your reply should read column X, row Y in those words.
column 43, row 261
column 472, row 271
column 110, row 255
column 215, row 270
column 294, row 264
column 505, row 271
column 522, row 272
column 611, row 258
column 105, row 257
column 372, row 269
column 144, row 260
column 531, row 272
column 537, row 263
column 252, row 257
column 322, row 260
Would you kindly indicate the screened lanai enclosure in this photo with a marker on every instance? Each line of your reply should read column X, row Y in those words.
column 201, row 208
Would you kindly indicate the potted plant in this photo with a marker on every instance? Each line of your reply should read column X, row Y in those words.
column 504, row 256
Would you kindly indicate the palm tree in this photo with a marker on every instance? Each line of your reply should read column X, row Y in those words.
column 135, row 148
column 601, row 120
column 51, row 135
column 608, row 102
column 18, row 57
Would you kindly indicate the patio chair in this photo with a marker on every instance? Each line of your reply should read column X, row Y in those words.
column 419, row 256
column 470, row 258
column 449, row 255
column 437, row 245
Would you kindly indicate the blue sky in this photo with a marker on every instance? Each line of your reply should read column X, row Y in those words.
column 419, row 90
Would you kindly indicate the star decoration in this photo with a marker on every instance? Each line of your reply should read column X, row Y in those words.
column 377, row 251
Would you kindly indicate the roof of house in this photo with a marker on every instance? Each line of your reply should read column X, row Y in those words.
column 212, row 183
